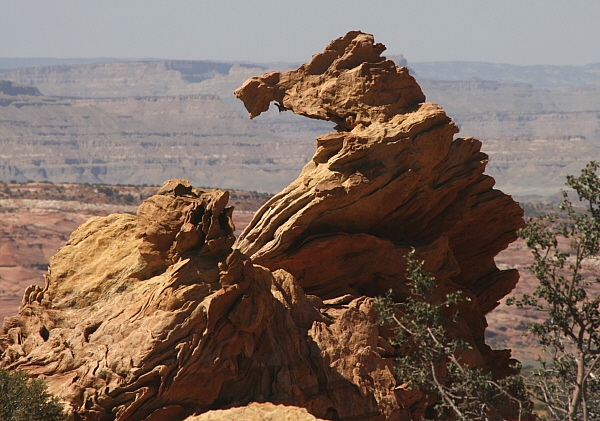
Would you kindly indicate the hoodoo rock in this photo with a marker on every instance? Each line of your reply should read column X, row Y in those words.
column 161, row 316
column 392, row 177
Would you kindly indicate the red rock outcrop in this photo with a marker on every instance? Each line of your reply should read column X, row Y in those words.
column 160, row 316
column 155, row 317
column 391, row 177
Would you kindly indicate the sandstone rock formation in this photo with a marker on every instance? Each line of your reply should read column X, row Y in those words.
column 37, row 219
column 155, row 317
column 159, row 316
column 390, row 178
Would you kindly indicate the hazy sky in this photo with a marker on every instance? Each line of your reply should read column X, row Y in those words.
column 505, row 31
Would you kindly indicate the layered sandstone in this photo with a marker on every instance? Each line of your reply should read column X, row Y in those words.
column 37, row 219
column 160, row 315
column 392, row 177
column 154, row 317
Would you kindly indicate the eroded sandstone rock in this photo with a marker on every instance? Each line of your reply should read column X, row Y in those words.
column 392, row 171
column 155, row 317
column 160, row 316
column 392, row 177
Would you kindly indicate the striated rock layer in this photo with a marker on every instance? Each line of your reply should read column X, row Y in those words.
column 160, row 316
column 392, row 177
column 154, row 317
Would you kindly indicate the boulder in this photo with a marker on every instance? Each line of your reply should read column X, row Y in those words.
column 155, row 317
column 257, row 412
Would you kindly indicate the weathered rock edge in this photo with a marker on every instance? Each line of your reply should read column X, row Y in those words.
column 156, row 317
column 257, row 412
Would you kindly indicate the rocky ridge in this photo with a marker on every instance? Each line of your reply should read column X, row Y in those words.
column 131, row 79
column 180, row 318
column 541, row 76
column 140, row 141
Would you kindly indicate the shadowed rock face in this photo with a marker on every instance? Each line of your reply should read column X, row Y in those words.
column 159, row 316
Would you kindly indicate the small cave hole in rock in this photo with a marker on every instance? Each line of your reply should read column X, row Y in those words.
column 197, row 215
column 224, row 222
column 44, row 333
column 332, row 414
column 90, row 330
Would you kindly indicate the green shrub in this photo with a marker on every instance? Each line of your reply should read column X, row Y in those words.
column 566, row 251
column 25, row 399
column 430, row 360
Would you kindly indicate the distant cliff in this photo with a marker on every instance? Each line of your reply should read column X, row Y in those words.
column 144, row 141
column 80, row 132
column 540, row 76
column 12, row 89
column 133, row 78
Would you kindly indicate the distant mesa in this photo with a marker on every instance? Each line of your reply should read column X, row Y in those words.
column 13, row 89
column 147, row 121
column 399, row 59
